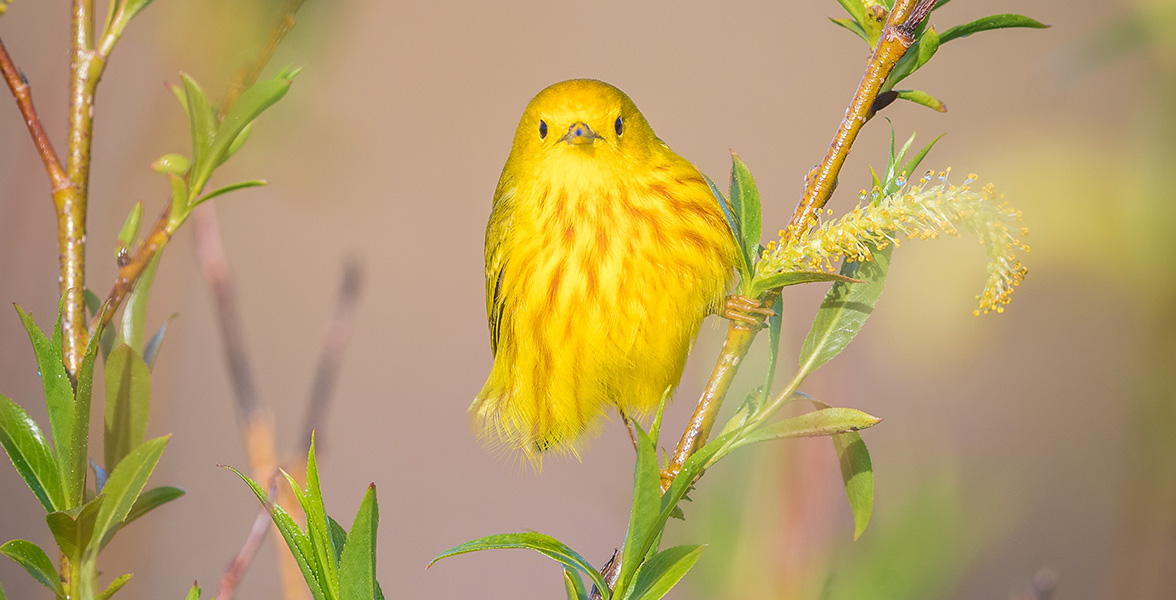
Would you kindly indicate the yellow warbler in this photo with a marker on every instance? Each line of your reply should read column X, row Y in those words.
column 604, row 252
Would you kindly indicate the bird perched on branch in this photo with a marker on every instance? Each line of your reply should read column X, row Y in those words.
column 604, row 252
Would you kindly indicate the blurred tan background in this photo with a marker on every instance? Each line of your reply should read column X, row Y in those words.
column 1012, row 443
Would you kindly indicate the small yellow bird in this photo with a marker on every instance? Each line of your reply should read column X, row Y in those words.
column 604, row 252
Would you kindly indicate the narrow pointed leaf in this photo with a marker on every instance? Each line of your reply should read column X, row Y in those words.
column 645, row 510
column 296, row 540
column 151, row 350
column 990, row 22
column 123, row 487
column 114, row 586
column 775, row 325
column 74, row 465
column 857, row 473
column 135, row 314
column 853, row 26
column 193, row 593
column 35, row 561
column 357, row 567
column 573, row 585
column 152, row 499
column 746, row 203
column 845, row 310
column 763, row 283
column 73, row 532
column 230, row 188
column 662, row 572
column 543, row 544
column 30, row 453
column 248, row 107
column 316, row 525
column 819, row 423
column 202, row 118
column 928, row 46
column 338, row 538
column 179, row 199
column 924, row 99
column 59, row 393
column 128, row 401
column 728, row 213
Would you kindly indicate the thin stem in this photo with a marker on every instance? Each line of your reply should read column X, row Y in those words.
column 331, row 355
column 24, row 102
column 735, row 347
column 85, row 70
column 897, row 37
column 236, row 569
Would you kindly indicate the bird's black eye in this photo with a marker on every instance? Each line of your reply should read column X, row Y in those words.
column 619, row 126
column 542, row 129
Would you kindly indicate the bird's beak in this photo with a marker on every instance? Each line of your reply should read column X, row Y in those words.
column 579, row 134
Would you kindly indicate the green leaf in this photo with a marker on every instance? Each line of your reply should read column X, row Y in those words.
column 123, row 486
column 152, row 499
column 916, row 56
column 543, row 544
column 2, row 596
column 248, row 107
column 114, row 586
column 194, row 593
column 732, row 220
column 357, row 568
column 338, row 538
column 775, row 325
column 990, row 22
column 179, row 200
column 204, row 128
column 128, row 401
column 135, row 314
column 151, row 350
column 75, row 468
column 845, row 310
column 858, row 474
column 73, row 530
column 176, row 164
column 853, row 26
column 35, row 561
column 106, row 337
column 59, row 392
column 297, row 540
column 764, row 283
column 129, row 231
column 645, row 510
column 662, row 572
column 316, row 525
column 239, row 140
column 928, row 46
column 909, row 166
column 30, row 453
column 822, row 422
column 572, row 584
column 924, row 99
column 746, row 203
column 230, row 188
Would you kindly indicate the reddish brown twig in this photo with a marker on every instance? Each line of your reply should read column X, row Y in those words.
column 24, row 101
column 331, row 355
column 240, row 563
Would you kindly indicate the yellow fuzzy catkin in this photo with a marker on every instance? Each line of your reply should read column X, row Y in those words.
column 920, row 211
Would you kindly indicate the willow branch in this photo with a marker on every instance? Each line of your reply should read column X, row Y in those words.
column 897, row 37
column 240, row 563
column 331, row 355
column 24, row 102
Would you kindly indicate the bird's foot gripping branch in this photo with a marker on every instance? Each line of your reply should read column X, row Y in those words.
column 852, row 251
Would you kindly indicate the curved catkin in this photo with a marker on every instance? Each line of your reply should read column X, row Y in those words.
column 604, row 252
column 918, row 211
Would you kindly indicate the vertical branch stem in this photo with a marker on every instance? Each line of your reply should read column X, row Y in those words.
column 84, row 71
column 897, row 37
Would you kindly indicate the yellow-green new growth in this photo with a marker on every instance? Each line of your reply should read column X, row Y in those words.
column 919, row 211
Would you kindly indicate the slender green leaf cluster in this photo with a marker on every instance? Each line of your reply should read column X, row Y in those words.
column 337, row 564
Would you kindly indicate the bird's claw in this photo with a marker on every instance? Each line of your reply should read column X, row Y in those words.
column 747, row 313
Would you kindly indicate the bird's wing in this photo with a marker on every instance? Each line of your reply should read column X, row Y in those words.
column 496, row 234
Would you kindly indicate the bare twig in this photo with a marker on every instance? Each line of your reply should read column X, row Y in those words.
column 236, row 569
column 24, row 101
column 331, row 355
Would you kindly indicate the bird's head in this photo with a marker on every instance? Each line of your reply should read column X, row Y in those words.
column 583, row 118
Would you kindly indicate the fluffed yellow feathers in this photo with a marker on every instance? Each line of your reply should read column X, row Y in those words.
column 604, row 252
